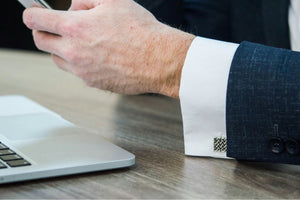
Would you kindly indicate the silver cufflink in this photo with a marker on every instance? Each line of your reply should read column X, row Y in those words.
column 220, row 144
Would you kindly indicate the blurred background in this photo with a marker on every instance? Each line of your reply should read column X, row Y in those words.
column 15, row 35
column 264, row 22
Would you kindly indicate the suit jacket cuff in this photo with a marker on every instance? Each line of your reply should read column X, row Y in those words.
column 263, row 104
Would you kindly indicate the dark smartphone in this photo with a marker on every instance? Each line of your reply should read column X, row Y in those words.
column 50, row 4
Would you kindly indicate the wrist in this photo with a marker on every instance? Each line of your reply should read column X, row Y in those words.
column 173, row 47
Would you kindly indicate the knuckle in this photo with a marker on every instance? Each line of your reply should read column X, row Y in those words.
column 30, row 24
column 27, row 18
column 37, row 37
column 60, row 66
column 56, row 60
column 80, row 73
column 66, row 26
column 70, row 27
column 72, row 56
column 59, row 62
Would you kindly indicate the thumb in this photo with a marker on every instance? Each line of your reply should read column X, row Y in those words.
column 84, row 4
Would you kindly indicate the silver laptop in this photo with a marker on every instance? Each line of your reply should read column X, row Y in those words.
column 37, row 143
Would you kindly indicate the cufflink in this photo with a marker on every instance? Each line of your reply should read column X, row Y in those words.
column 220, row 144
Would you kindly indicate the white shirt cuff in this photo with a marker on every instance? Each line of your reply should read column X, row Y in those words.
column 203, row 95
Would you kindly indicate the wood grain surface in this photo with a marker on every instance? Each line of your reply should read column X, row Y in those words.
column 150, row 127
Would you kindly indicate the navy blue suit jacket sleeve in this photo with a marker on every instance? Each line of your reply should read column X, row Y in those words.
column 263, row 105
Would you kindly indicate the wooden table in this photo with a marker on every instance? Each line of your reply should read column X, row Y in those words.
column 150, row 127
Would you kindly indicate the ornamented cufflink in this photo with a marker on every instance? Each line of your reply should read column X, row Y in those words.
column 220, row 144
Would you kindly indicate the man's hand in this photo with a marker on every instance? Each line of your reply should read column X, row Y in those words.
column 113, row 45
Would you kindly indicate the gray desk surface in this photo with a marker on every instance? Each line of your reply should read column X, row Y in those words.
column 148, row 126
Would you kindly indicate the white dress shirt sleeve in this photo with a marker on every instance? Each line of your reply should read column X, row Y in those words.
column 203, row 95
column 294, row 24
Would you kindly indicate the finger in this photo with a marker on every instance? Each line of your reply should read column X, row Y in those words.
column 48, row 42
column 45, row 19
column 62, row 63
column 84, row 4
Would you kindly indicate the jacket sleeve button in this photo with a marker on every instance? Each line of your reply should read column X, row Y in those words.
column 292, row 147
column 276, row 145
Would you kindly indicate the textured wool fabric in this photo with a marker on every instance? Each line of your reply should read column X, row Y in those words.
column 263, row 93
